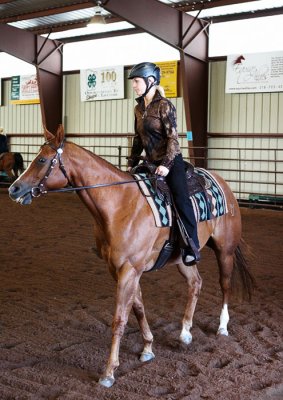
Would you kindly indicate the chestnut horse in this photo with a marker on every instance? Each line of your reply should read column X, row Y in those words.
column 11, row 164
column 126, row 235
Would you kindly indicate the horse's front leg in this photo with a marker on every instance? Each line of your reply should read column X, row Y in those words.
column 138, row 308
column 128, row 281
column 194, row 282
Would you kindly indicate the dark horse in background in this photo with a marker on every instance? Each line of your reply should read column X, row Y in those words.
column 127, row 238
column 12, row 164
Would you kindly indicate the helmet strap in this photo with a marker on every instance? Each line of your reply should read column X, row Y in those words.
column 148, row 86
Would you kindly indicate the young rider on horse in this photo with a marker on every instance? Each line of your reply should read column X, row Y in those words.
column 156, row 134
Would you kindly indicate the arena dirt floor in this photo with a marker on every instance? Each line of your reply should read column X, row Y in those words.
column 57, row 302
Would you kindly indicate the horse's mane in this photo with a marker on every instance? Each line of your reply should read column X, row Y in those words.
column 101, row 160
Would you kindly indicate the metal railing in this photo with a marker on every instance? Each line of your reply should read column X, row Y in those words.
column 253, row 179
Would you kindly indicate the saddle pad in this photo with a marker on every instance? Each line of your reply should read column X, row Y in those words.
column 212, row 204
column 161, row 211
column 206, row 206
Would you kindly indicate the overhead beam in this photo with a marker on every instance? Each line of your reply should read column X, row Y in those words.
column 268, row 12
column 201, row 5
column 19, row 16
column 46, row 56
column 160, row 20
column 188, row 35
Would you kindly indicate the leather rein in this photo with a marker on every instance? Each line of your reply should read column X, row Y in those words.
column 37, row 191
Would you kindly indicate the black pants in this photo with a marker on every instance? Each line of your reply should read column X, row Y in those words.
column 176, row 180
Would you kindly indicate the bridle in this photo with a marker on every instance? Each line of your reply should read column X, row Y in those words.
column 38, row 190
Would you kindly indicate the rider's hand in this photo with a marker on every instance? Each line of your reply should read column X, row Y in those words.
column 129, row 169
column 162, row 171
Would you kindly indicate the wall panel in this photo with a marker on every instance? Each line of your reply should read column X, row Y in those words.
column 252, row 113
column 257, row 159
column 20, row 118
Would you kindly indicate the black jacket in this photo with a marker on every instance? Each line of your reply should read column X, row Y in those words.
column 155, row 132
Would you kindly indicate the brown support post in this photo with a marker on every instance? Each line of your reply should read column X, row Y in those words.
column 195, row 100
column 46, row 55
column 188, row 35
column 194, row 71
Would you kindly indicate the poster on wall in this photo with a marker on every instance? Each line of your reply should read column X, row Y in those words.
column 169, row 77
column 254, row 73
column 24, row 89
column 102, row 83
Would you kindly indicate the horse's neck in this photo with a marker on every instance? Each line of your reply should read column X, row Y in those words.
column 88, row 169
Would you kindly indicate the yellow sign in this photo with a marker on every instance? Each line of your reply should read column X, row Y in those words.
column 169, row 77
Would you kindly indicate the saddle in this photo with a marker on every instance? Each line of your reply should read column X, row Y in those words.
column 195, row 182
column 178, row 234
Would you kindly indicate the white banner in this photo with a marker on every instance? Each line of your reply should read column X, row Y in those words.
column 24, row 89
column 102, row 83
column 252, row 73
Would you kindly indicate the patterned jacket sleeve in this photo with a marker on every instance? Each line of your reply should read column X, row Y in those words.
column 169, row 118
column 137, row 148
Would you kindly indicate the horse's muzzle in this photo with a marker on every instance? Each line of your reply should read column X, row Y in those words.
column 20, row 192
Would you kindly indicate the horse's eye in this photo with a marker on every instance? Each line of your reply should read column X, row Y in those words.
column 42, row 160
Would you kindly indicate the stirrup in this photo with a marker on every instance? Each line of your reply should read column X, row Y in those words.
column 189, row 257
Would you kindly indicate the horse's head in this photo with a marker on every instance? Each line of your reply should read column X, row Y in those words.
column 46, row 171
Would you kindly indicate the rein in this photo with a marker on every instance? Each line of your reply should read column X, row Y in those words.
column 37, row 191
column 98, row 185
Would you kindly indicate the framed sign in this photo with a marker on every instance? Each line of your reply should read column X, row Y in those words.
column 102, row 83
column 252, row 73
column 24, row 89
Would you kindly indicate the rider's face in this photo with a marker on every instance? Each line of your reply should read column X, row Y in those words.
column 139, row 86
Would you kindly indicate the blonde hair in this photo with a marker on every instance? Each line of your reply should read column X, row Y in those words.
column 160, row 90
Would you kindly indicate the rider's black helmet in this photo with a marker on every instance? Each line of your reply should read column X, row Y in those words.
column 145, row 70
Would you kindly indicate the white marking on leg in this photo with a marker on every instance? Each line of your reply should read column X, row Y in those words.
column 186, row 336
column 224, row 319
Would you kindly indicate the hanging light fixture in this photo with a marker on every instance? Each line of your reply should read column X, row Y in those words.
column 98, row 17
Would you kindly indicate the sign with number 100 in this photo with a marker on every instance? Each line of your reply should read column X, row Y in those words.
column 102, row 83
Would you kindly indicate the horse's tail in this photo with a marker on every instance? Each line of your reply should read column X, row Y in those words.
column 243, row 281
column 19, row 162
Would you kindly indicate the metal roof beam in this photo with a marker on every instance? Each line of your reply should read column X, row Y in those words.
column 210, row 4
column 46, row 12
column 46, row 55
column 162, row 21
column 246, row 15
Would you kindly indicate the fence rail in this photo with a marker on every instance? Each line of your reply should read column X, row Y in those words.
column 254, row 174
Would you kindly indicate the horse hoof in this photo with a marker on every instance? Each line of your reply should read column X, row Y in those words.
column 146, row 357
column 222, row 332
column 107, row 381
column 186, row 338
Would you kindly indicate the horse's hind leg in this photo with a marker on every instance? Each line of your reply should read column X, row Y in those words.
column 225, row 263
column 138, row 308
column 194, row 282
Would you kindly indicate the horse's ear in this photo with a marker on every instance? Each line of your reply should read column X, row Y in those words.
column 60, row 133
column 47, row 135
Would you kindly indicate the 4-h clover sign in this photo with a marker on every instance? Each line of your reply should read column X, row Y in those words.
column 102, row 83
column 91, row 80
